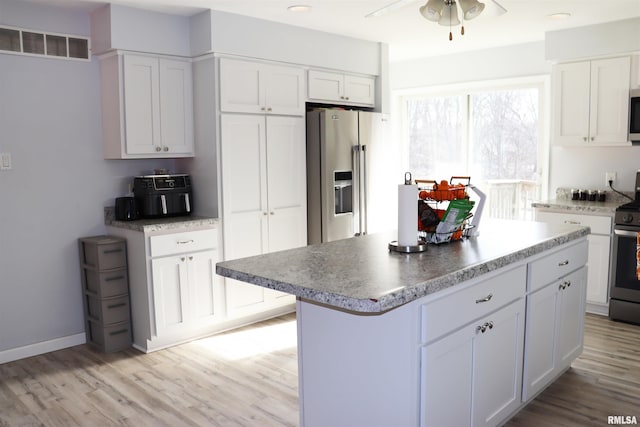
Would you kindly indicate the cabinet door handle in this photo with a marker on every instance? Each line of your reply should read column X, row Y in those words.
column 182, row 259
column 112, row 279
column 158, row 148
column 118, row 332
column 185, row 242
column 165, row 148
column 562, row 287
column 563, row 263
column 584, row 138
column 483, row 328
column 568, row 283
column 485, row 299
column 572, row 222
column 191, row 258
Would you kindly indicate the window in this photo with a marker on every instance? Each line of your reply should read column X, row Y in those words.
column 491, row 134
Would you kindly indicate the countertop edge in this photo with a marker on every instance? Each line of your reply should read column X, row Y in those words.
column 405, row 295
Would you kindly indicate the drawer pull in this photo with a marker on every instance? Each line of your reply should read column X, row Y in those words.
column 119, row 332
column 112, row 251
column 185, row 242
column 485, row 299
column 122, row 304
column 563, row 263
column 112, row 279
column 572, row 222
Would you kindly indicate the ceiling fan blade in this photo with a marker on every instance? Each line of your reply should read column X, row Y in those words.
column 389, row 8
column 500, row 10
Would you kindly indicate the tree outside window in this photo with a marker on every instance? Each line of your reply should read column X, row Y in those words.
column 491, row 136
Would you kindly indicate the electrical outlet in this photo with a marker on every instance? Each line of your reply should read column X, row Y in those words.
column 609, row 176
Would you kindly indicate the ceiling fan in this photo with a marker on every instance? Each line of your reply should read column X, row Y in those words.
column 444, row 12
column 397, row 4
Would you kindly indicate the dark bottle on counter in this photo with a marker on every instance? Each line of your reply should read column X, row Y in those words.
column 583, row 194
column 575, row 194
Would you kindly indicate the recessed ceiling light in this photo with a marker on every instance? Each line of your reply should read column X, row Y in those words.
column 559, row 16
column 299, row 8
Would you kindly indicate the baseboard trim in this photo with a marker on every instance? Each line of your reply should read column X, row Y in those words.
column 42, row 347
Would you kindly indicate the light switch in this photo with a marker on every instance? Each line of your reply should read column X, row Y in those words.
column 5, row 161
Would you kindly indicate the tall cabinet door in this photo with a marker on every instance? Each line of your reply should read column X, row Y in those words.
column 170, row 294
column 142, row 109
column 176, row 106
column 286, row 183
column 244, row 195
column 609, row 114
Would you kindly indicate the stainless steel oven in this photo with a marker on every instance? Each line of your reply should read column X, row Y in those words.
column 624, row 304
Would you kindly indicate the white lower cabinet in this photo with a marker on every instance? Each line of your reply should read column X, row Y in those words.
column 555, row 316
column 184, row 295
column 599, row 261
column 473, row 377
column 175, row 293
column 554, row 331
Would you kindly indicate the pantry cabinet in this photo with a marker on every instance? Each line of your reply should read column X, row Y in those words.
column 261, row 88
column 341, row 88
column 147, row 106
column 263, row 197
column 590, row 102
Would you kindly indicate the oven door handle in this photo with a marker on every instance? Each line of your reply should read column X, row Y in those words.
column 625, row 233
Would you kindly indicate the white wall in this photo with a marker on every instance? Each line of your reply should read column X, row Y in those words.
column 568, row 167
column 50, row 123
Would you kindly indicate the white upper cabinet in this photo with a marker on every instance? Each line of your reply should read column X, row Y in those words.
column 341, row 88
column 591, row 102
column 255, row 87
column 147, row 107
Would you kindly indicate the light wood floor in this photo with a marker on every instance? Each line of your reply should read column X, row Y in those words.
column 249, row 378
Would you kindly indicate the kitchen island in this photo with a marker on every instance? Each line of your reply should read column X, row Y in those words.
column 436, row 338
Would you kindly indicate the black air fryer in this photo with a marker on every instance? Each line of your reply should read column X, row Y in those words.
column 163, row 195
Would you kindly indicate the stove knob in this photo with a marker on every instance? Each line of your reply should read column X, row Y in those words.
column 627, row 218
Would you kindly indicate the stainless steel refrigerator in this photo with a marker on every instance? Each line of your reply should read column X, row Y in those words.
column 351, row 164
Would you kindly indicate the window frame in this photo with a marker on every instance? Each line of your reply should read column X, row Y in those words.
column 540, row 82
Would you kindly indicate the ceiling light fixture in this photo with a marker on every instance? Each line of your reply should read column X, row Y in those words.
column 299, row 8
column 445, row 12
column 559, row 16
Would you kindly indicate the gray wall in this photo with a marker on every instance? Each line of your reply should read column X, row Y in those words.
column 50, row 123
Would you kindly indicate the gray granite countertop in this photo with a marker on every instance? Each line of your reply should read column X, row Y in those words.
column 563, row 202
column 180, row 223
column 579, row 206
column 361, row 274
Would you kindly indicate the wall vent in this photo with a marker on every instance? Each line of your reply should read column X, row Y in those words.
column 22, row 41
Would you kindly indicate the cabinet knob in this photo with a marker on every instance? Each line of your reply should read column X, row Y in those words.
column 562, row 287
column 269, row 109
column 272, row 213
column 191, row 258
column 165, row 148
column 584, row 138
column 342, row 97
column 263, row 109
column 563, row 263
column 264, row 213
column 593, row 138
column 158, row 148
column 347, row 98
column 182, row 259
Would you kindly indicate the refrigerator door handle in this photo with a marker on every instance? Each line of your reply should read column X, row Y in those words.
column 356, row 197
column 363, row 178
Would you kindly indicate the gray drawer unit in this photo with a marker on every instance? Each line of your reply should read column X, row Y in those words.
column 105, row 289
